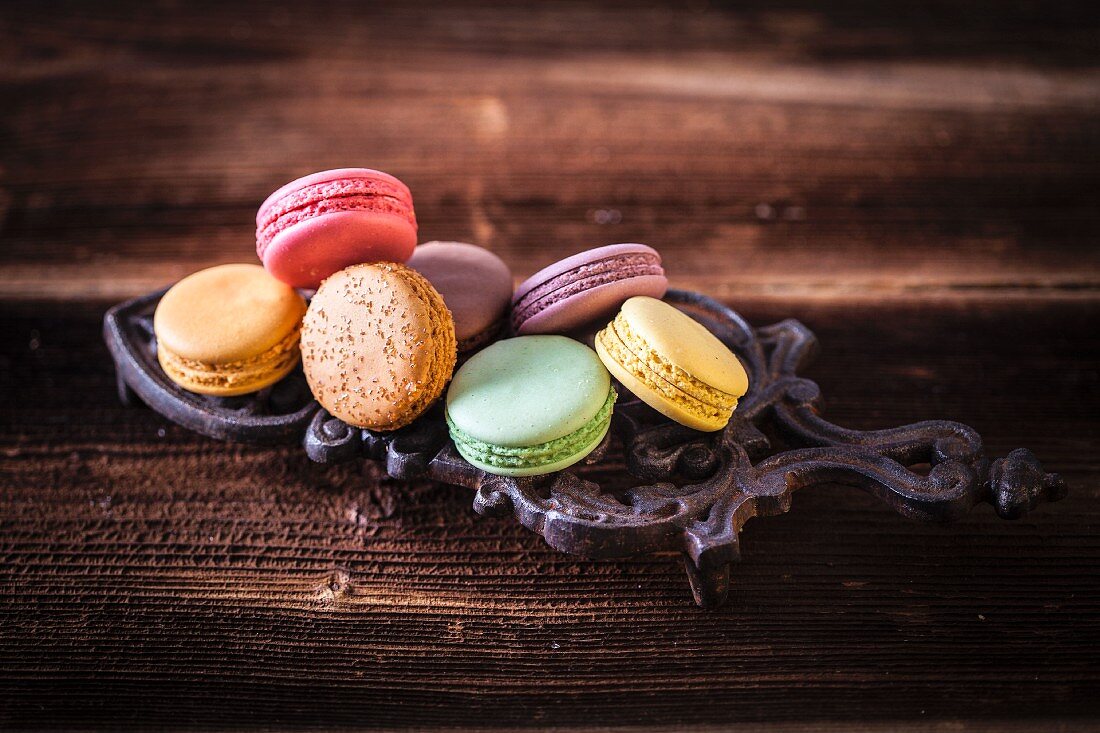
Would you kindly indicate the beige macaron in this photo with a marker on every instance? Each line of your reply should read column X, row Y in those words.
column 378, row 345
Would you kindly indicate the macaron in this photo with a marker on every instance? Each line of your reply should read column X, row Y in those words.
column 529, row 405
column 586, row 287
column 228, row 330
column 321, row 223
column 475, row 284
column 378, row 345
column 673, row 363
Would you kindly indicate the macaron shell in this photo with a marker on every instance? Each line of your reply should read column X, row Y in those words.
column 227, row 313
column 311, row 250
column 686, row 344
column 329, row 176
column 378, row 345
column 475, row 284
column 528, row 390
column 539, row 470
column 580, row 259
column 590, row 305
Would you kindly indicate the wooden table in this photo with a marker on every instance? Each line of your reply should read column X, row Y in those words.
column 916, row 182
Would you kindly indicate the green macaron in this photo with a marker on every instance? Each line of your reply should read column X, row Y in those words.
column 530, row 405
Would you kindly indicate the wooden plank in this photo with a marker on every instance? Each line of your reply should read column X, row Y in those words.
column 155, row 576
column 142, row 149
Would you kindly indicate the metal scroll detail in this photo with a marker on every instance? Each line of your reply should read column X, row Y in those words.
column 696, row 489
column 700, row 488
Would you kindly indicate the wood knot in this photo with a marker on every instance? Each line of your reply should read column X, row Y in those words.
column 335, row 586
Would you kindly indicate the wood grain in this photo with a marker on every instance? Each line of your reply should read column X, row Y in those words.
column 150, row 569
column 915, row 181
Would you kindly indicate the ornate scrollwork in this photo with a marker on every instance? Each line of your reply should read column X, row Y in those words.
column 698, row 489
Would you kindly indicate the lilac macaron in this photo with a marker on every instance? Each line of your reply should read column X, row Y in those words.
column 585, row 287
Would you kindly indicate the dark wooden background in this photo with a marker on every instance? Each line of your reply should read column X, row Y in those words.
column 916, row 181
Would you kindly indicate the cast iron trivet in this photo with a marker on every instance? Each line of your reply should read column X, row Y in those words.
column 699, row 488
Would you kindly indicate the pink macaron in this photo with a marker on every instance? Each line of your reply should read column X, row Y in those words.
column 324, row 222
column 585, row 287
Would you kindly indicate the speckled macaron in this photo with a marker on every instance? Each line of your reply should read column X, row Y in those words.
column 228, row 330
column 378, row 345
column 475, row 284
column 529, row 405
column 673, row 363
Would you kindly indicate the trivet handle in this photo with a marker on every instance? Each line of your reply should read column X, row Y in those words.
column 1016, row 484
column 1013, row 485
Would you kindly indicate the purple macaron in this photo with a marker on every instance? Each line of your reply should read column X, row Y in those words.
column 587, row 286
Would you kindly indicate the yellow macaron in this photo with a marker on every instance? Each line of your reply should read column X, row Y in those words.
column 228, row 330
column 672, row 363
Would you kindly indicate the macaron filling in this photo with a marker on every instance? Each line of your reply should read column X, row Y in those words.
column 632, row 352
column 542, row 454
column 584, row 278
column 240, row 376
column 356, row 194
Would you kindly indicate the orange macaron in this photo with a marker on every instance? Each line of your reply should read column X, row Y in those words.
column 228, row 330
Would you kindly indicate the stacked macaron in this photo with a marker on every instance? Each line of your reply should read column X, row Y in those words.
column 379, row 340
column 389, row 321
column 324, row 222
